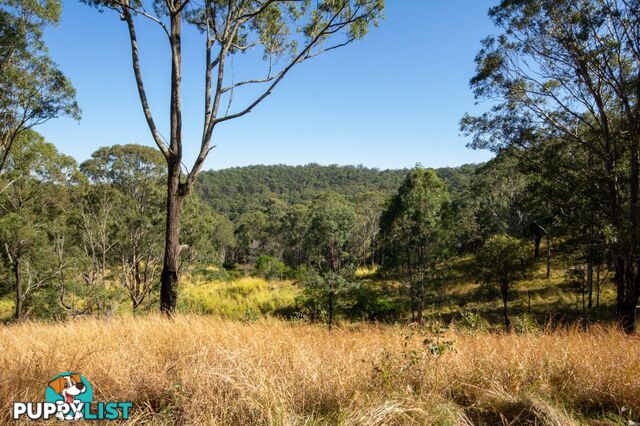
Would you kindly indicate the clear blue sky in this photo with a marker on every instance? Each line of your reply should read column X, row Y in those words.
column 389, row 101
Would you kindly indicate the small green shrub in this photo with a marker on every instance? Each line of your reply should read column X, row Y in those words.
column 271, row 268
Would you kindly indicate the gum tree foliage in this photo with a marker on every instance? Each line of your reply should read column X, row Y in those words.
column 121, row 215
column 276, row 210
column 32, row 217
column 496, row 190
column 413, row 232
column 32, row 88
column 93, row 216
column 329, row 245
column 369, row 207
column 208, row 237
column 564, row 198
column 570, row 70
column 136, row 173
column 294, row 225
column 283, row 33
column 500, row 262
column 251, row 236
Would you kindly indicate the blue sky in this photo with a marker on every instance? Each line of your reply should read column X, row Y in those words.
column 391, row 100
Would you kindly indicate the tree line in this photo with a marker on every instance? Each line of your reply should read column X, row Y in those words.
column 87, row 238
column 78, row 238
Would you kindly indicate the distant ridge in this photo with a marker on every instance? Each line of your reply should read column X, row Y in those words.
column 235, row 190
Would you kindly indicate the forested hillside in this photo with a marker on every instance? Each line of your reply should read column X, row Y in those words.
column 237, row 190
column 419, row 233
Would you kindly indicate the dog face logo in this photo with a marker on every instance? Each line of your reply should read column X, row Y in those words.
column 68, row 387
column 69, row 391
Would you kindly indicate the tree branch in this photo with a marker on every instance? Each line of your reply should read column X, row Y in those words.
column 141, row 90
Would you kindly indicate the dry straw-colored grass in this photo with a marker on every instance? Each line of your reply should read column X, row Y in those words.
column 201, row 370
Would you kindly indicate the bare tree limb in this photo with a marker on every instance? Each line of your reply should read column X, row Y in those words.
column 140, row 84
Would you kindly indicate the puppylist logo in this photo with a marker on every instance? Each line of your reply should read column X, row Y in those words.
column 69, row 397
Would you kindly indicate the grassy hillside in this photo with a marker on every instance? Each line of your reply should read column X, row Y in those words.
column 201, row 370
column 534, row 301
column 454, row 297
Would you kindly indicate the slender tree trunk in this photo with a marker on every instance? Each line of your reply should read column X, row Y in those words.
column 330, row 309
column 412, row 298
column 419, row 296
column 169, row 277
column 537, row 238
column 582, row 292
column 548, row 257
column 590, row 282
column 19, row 295
column 420, row 284
column 627, row 292
column 504, row 289
column 598, row 286
column 412, row 290
column 420, row 301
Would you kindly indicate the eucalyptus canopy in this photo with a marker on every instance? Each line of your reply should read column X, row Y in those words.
column 569, row 71
column 33, row 90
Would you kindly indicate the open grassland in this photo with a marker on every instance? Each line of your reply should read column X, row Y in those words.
column 202, row 370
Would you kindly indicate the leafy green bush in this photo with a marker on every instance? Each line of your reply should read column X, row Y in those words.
column 369, row 302
column 271, row 268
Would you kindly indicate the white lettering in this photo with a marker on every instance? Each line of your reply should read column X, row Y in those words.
column 19, row 408
column 34, row 414
column 49, row 409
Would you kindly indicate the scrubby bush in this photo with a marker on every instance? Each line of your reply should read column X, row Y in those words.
column 367, row 301
column 271, row 268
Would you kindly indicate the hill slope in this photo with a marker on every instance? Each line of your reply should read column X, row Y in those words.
column 236, row 190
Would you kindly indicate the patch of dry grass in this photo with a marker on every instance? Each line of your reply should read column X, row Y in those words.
column 202, row 370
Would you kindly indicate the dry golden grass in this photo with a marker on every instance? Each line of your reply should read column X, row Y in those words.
column 201, row 370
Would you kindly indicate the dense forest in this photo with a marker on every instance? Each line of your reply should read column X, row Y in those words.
column 237, row 190
column 108, row 212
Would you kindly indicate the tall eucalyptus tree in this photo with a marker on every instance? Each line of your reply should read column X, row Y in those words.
column 33, row 90
column 285, row 32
